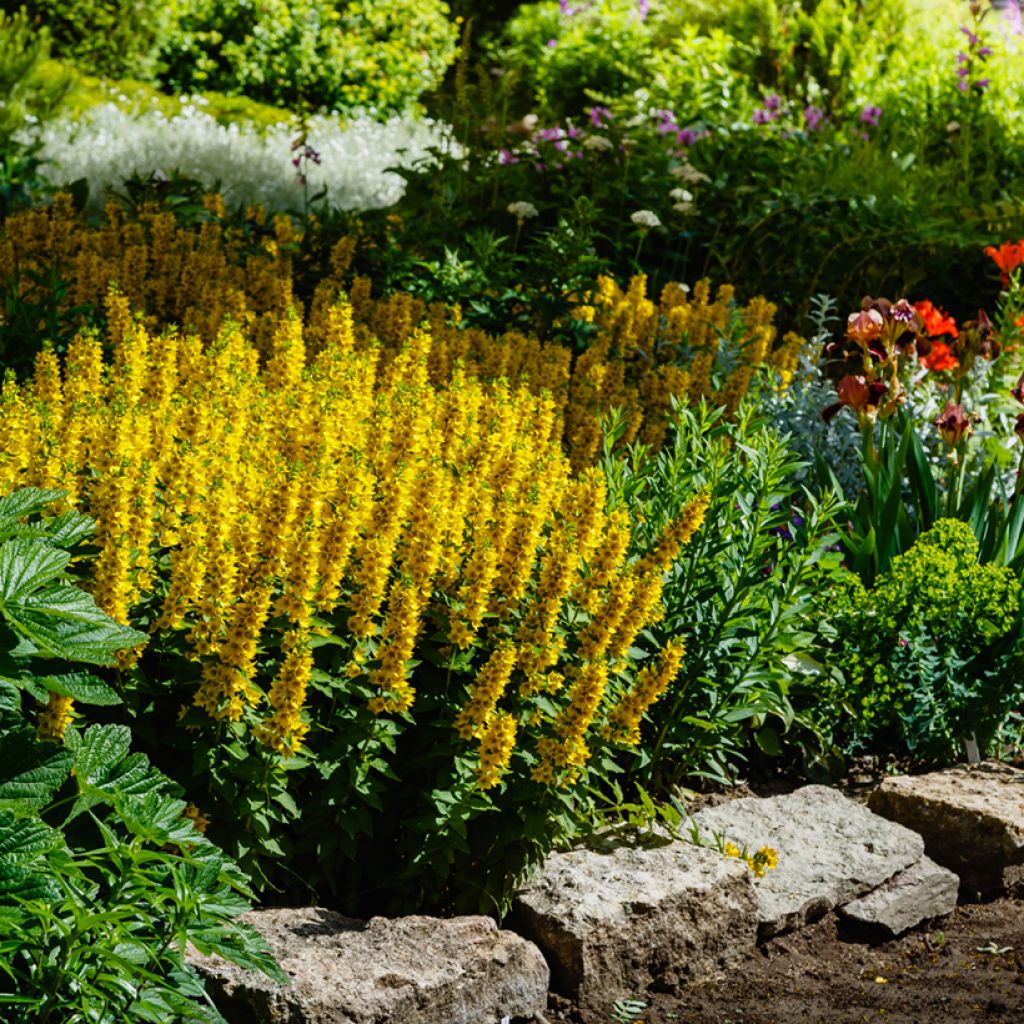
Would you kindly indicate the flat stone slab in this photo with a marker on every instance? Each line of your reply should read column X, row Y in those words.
column 615, row 923
column 971, row 818
column 831, row 851
column 409, row 970
column 921, row 892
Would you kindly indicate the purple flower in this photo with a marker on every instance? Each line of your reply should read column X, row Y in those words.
column 643, row 8
column 981, row 84
column 813, row 117
column 772, row 101
column 871, row 115
column 984, row 51
column 598, row 115
column 552, row 43
column 971, row 37
column 688, row 136
column 506, row 156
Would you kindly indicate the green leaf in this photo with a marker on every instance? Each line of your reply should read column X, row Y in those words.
column 81, row 686
column 25, row 502
column 768, row 740
column 69, row 529
column 25, row 565
column 22, row 840
column 99, row 751
column 30, row 772
column 64, row 622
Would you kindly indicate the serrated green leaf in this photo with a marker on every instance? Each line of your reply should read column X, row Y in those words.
column 99, row 753
column 23, row 839
column 22, row 883
column 24, row 502
column 64, row 622
column 81, row 686
column 69, row 529
column 25, row 565
column 30, row 771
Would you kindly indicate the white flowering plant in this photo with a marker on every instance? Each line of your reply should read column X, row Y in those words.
column 351, row 165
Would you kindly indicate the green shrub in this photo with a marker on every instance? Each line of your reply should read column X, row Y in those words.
column 27, row 92
column 103, row 877
column 114, row 40
column 741, row 595
column 314, row 53
column 932, row 653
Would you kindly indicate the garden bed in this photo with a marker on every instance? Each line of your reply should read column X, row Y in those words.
column 967, row 968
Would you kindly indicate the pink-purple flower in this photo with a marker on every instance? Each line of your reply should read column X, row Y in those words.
column 871, row 115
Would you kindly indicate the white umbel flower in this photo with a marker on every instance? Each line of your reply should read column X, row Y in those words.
column 598, row 143
column 645, row 219
column 522, row 210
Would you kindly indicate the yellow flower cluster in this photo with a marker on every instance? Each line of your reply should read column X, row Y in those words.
column 764, row 859
column 644, row 353
column 246, row 506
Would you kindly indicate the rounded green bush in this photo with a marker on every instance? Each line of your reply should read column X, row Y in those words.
column 112, row 40
column 340, row 56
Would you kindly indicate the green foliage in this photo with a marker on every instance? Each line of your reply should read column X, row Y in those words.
column 103, row 879
column 26, row 92
column 742, row 596
column 932, row 653
column 43, row 614
column 315, row 53
column 114, row 40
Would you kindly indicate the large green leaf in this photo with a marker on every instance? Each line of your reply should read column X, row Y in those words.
column 69, row 529
column 30, row 771
column 23, row 840
column 25, row 502
column 25, row 565
column 81, row 686
column 63, row 621
column 105, row 770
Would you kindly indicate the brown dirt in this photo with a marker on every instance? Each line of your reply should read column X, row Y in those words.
column 966, row 968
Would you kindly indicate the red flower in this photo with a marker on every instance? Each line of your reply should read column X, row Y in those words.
column 936, row 321
column 940, row 358
column 1008, row 257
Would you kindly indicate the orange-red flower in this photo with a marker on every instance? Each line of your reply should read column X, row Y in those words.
column 936, row 321
column 940, row 358
column 1007, row 257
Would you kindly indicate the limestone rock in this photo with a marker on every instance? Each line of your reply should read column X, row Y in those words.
column 615, row 923
column 921, row 892
column 971, row 818
column 831, row 851
column 410, row 970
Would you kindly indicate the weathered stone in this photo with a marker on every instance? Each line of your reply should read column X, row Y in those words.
column 831, row 851
column 921, row 892
column 409, row 970
column 615, row 923
column 971, row 818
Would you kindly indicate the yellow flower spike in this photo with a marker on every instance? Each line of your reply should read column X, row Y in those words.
column 651, row 682
column 497, row 743
column 54, row 717
column 485, row 691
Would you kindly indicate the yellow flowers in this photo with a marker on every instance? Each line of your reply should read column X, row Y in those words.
column 764, row 859
column 370, row 476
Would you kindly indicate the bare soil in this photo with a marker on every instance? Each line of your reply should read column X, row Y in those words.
column 968, row 967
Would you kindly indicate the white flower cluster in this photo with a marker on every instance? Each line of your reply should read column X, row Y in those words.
column 522, row 210
column 645, row 219
column 247, row 165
